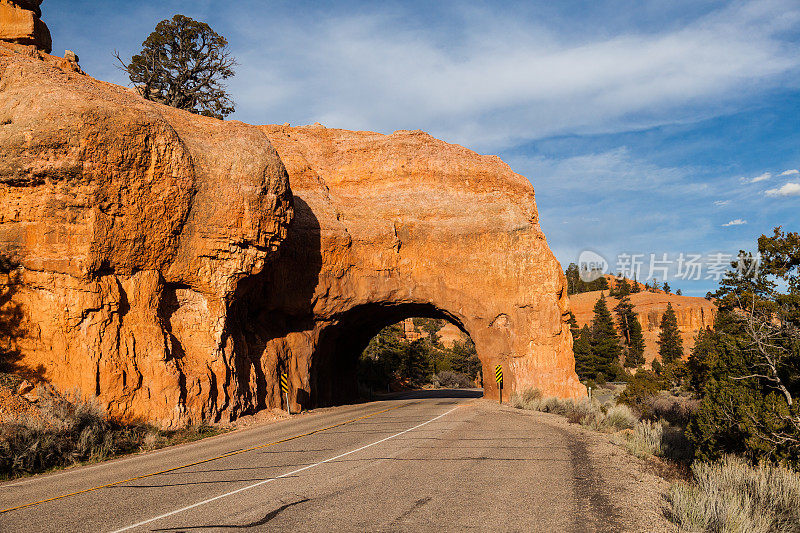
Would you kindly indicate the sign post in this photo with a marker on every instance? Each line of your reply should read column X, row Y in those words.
column 285, row 389
column 498, row 376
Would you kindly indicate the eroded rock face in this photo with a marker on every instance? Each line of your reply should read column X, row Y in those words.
column 392, row 226
column 20, row 23
column 132, row 224
column 157, row 273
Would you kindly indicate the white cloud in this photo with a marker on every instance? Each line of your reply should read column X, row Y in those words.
column 762, row 177
column 721, row 203
column 496, row 81
column 790, row 189
column 735, row 222
column 790, row 172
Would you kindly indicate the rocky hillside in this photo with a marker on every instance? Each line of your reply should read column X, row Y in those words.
column 693, row 315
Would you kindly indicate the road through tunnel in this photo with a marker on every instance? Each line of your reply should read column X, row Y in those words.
column 380, row 347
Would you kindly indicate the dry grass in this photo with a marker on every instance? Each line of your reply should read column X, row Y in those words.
column 641, row 438
column 732, row 496
column 75, row 431
column 588, row 413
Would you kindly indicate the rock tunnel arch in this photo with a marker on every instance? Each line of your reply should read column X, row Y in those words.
column 390, row 227
column 334, row 364
column 175, row 297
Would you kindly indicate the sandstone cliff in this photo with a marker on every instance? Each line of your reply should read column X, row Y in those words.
column 132, row 224
column 159, row 272
column 407, row 225
column 693, row 315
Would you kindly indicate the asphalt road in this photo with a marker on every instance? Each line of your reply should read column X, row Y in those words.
column 441, row 461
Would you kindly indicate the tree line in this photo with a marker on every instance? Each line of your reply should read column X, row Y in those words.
column 612, row 345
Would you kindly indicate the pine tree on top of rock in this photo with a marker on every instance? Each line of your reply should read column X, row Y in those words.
column 604, row 340
column 635, row 286
column 670, row 344
column 182, row 65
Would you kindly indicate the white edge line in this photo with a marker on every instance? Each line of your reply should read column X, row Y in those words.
column 287, row 474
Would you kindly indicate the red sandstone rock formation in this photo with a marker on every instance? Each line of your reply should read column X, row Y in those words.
column 147, row 238
column 406, row 225
column 693, row 315
column 20, row 23
column 133, row 223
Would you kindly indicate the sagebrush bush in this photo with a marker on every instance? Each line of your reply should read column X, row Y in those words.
column 646, row 439
column 733, row 496
column 76, row 431
column 676, row 410
column 619, row 417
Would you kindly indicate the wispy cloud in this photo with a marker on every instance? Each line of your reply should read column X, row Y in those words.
column 790, row 189
column 790, row 172
column 735, row 222
column 500, row 81
column 761, row 177
column 721, row 203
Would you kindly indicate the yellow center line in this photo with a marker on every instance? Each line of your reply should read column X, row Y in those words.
column 229, row 454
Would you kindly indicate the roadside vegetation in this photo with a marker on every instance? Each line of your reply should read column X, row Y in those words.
column 65, row 431
column 728, row 416
column 393, row 361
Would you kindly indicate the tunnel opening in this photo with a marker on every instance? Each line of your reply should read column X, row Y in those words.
column 374, row 349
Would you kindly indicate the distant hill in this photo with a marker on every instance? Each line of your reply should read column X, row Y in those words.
column 693, row 314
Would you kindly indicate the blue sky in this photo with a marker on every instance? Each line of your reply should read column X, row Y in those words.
column 646, row 127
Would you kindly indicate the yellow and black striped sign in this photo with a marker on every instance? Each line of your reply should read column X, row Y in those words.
column 284, row 383
column 498, row 374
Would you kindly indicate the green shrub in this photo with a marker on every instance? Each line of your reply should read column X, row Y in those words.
column 641, row 391
column 733, row 496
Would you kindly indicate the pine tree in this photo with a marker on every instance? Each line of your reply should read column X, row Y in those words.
column 670, row 344
column 678, row 292
column 631, row 331
column 624, row 311
column 574, row 281
column 623, row 288
column 585, row 365
column 635, row 356
column 604, row 340
column 573, row 325
column 635, row 286
column 666, row 287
